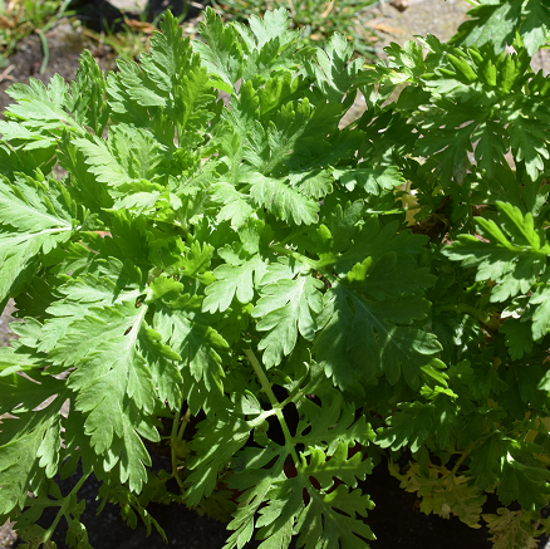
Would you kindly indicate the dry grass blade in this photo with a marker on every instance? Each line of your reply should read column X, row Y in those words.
column 328, row 9
column 5, row 74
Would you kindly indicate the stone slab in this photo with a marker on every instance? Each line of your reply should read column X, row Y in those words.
column 130, row 5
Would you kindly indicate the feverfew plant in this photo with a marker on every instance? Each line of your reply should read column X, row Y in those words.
column 271, row 294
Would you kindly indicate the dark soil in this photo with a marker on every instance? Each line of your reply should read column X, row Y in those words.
column 184, row 528
column 65, row 44
column 396, row 520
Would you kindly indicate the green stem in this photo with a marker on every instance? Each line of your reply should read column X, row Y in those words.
column 63, row 509
column 296, row 255
column 318, row 266
column 183, row 425
column 45, row 51
column 174, row 438
column 55, row 19
column 275, row 404
column 468, row 309
column 464, row 455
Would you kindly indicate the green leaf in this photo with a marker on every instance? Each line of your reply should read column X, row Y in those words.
column 113, row 283
column 22, row 137
column 88, row 93
column 234, row 206
column 39, row 104
column 333, row 71
column 256, row 52
column 114, row 385
column 388, row 277
column 333, row 422
column 190, row 233
column 282, row 200
column 30, row 446
column 189, row 333
column 236, row 278
column 490, row 21
column 528, row 138
column 364, row 337
column 512, row 256
column 272, row 148
column 128, row 156
column 340, row 466
column 331, row 519
column 518, row 337
column 169, row 54
column 35, row 217
column 278, row 90
column 285, row 309
column 541, row 316
column 214, row 448
column 275, row 24
column 486, row 463
column 526, row 484
column 535, row 28
column 269, row 45
column 373, row 181
column 164, row 365
column 368, row 240
column 463, row 67
column 491, row 147
column 219, row 52
column 407, row 59
column 411, row 427
column 328, row 514
column 197, row 259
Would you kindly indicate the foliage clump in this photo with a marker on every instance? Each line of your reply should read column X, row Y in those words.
column 202, row 269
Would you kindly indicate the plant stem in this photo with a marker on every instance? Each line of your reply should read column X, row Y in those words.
column 175, row 437
column 266, row 386
column 296, row 255
column 468, row 309
column 183, row 425
column 49, row 532
column 45, row 51
column 55, row 19
column 461, row 459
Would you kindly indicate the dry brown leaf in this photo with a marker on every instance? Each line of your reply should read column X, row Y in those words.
column 140, row 26
column 383, row 27
column 6, row 23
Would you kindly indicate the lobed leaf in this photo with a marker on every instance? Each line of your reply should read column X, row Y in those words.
column 285, row 309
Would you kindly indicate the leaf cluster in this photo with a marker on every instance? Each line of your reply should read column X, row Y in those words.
column 226, row 271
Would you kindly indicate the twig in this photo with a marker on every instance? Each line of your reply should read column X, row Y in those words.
column 5, row 75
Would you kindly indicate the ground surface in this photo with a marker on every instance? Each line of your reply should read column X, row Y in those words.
column 396, row 520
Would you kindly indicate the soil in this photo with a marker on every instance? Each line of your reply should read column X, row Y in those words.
column 396, row 520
